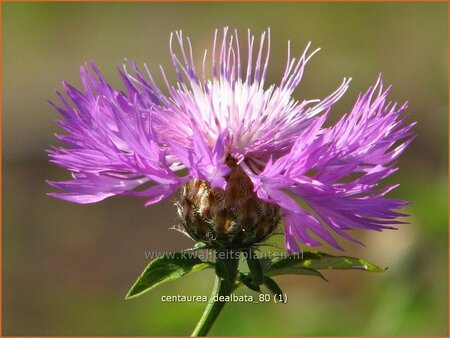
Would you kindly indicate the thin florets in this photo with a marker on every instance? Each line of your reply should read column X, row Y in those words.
column 116, row 142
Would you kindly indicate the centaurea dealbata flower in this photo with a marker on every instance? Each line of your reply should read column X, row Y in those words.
column 243, row 153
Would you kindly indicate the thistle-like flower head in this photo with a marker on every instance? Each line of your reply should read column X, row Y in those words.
column 245, row 154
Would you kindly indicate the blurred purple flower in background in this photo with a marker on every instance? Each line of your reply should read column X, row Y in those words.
column 149, row 143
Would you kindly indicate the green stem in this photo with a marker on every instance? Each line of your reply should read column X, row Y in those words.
column 223, row 286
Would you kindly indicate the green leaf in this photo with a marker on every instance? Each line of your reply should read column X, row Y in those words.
column 255, row 267
column 319, row 260
column 272, row 286
column 221, row 269
column 248, row 282
column 165, row 269
column 199, row 246
column 292, row 269
column 265, row 263
column 308, row 262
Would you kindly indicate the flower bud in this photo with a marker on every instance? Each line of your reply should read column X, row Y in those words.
column 231, row 218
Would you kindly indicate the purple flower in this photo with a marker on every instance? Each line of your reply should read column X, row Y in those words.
column 148, row 143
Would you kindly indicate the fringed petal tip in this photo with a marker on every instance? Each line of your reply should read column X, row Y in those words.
column 79, row 198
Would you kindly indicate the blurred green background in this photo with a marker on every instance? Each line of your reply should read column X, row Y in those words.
column 67, row 267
